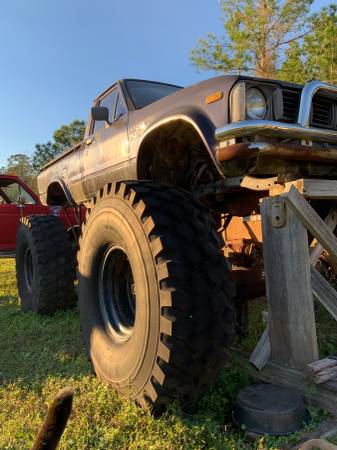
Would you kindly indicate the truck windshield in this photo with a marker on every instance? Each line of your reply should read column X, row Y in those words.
column 143, row 93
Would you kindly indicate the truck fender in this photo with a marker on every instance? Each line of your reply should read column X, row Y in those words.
column 197, row 119
column 60, row 184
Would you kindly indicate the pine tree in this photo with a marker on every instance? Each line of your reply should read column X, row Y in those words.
column 64, row 137
column 294, row 67
column 320, row 46
column 256, row 33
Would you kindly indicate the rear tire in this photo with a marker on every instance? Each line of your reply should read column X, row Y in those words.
column 154, row 294
column 45, row 265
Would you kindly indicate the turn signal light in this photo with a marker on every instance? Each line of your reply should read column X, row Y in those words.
column 214, row 97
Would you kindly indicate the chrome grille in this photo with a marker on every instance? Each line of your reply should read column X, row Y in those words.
column 291, row 104
column 323, row 112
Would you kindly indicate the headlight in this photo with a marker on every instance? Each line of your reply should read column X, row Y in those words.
column 255, row 104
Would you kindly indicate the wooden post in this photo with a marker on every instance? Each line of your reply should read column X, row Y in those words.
column 293, row 338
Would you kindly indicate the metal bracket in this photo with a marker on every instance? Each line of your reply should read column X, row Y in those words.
column 277, row 212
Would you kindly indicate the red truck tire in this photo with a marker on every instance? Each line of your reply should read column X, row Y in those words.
column 45, row 265
column 154, row 293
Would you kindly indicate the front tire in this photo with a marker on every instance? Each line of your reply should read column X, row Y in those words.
column 154, row 295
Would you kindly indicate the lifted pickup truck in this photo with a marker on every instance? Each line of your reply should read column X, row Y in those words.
column 166, row 173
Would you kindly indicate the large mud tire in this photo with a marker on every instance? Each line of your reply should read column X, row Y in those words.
column 45, row 265
column 168, row 340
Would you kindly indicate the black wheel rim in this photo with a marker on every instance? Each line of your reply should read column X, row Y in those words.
column 117, row 297
column 28, row 269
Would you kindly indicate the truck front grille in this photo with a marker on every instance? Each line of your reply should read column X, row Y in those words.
column 323, row 112
column 291, row 104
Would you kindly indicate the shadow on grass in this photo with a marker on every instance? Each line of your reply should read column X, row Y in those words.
column 39, row 354
column 37, row 351
column 33, row 347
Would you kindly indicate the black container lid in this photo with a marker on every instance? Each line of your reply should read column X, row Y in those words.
column 267, row 409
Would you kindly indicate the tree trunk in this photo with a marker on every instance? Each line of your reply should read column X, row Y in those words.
column 265, row 56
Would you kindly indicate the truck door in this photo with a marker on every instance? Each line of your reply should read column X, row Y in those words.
column 9, row 217
column 106, row 151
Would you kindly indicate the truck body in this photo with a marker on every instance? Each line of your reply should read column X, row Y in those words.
column 166, row 133
column 210, row 139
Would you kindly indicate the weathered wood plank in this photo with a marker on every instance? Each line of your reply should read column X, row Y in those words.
column 321, row 444
column 321, row 364
column 324, row 292
column 311, row 220
column 331, row 222
column 292, row 334
column 322, row 370
column 312, row 188
column 261, row 354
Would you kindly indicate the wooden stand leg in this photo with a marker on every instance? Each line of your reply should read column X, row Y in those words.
column 293, row 338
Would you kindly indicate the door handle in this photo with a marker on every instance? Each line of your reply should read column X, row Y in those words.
column 89, row 141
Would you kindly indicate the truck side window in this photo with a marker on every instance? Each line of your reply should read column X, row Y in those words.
column 120, row 108
column 109, row 101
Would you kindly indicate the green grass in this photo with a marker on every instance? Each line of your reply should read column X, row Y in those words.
column 40, row 355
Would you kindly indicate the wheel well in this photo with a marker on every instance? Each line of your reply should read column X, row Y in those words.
column 56, row 195
column 175, row 153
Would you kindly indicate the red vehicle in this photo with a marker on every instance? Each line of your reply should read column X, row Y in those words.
column 17, row 200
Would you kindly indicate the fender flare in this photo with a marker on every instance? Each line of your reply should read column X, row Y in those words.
column 198, row 120
column 60, row 181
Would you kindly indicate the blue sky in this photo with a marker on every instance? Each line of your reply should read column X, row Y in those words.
column 57, row 55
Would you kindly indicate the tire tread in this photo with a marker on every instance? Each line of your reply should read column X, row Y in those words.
column 197, row 319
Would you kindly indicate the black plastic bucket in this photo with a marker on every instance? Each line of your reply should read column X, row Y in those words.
column 266, row 409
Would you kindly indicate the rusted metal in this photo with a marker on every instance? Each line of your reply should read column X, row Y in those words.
column 237, row 230
column 243, row 237
column 235, row 184
column 259, row 184
column 286, row 151
column 234, row 151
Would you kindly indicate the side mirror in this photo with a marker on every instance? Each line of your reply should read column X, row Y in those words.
column 100, row 113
